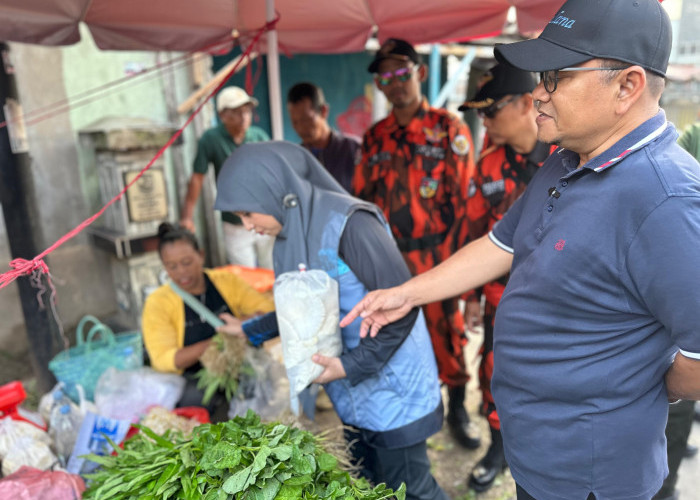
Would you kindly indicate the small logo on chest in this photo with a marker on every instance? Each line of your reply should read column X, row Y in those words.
column 559, row 245
column 428, row 187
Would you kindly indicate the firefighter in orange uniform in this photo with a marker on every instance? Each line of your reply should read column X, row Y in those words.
column 510, row 157
column 416, row 165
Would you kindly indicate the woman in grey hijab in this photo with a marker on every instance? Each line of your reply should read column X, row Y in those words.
column 386, row 388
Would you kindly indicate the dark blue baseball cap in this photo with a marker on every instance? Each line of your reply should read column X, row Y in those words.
column 633, row 31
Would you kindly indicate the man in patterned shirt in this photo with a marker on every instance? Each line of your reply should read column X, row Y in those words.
column 416, row 165
column 510, row 157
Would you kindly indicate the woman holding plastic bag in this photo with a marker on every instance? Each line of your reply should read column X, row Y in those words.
column 386, row 388
column 174, row 333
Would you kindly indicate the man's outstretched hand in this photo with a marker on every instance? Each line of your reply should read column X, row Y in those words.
column 378, row 309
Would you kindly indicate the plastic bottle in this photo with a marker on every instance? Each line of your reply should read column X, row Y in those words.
column 63, row 430
column 50, row 401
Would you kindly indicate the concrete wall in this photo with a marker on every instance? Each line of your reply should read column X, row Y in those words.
column 65, row 176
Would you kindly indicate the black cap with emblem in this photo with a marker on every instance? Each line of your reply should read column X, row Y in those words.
column 501, row 80
column 394, row 48
column 632, row 31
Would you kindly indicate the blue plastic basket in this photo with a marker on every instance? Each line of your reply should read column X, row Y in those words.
column 84, row 363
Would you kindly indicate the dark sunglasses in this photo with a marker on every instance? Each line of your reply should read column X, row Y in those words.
column 550, row 78
column 493, row 110
column 401, row 74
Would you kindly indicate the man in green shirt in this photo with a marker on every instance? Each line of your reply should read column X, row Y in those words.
column 235, row 109
column 690, row 139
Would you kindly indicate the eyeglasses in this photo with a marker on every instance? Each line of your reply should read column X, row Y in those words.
column 551, row 78
column 401, row 74
column 491, row 111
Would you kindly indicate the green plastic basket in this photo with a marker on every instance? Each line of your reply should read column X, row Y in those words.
column 85, row 362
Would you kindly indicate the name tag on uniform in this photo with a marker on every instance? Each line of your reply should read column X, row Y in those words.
column 430, row 151
column 380, row 157
column 490, row 188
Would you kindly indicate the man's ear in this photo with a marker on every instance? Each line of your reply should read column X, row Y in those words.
column 630, row 84
column 422, row 73
column 325, row 109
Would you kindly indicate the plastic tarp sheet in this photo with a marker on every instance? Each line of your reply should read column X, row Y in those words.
column 311, row 26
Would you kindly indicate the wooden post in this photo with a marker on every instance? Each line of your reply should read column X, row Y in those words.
column 20, row 210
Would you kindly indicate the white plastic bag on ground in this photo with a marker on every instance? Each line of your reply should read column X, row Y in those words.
column 307, row 309
column 24, row 444
column 126, row 395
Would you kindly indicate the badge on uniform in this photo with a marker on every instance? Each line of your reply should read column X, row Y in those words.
column 460, row 145
column 434, row 134
column 428, row 187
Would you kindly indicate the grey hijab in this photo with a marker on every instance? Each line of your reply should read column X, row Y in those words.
column 284, row 180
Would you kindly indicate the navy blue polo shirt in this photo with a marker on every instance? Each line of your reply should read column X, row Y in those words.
column 604, row 289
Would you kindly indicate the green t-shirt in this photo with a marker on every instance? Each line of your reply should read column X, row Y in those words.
column 215, row 146
column 690, row 140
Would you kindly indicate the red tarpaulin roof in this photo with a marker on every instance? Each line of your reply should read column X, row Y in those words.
column 317, row 26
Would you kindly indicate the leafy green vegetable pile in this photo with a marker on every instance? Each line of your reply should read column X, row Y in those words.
column 241, row 459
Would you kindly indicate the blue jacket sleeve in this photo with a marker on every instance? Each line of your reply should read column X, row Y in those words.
column 372, row 255
column 261, row 328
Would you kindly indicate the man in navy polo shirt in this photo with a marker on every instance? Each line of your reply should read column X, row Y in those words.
column 598, row 325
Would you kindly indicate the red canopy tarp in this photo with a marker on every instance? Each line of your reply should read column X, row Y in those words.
column 315, row 26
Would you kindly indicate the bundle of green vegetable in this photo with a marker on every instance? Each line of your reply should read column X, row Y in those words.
column 242, row 459
column 224, row 367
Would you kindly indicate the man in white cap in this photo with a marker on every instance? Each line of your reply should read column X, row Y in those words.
column 235, row 109
column 598, row 326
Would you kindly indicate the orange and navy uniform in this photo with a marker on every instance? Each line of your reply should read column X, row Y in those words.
column 419, row 175
column 501, row 177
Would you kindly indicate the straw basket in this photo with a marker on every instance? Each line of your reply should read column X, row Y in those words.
column 84, row 363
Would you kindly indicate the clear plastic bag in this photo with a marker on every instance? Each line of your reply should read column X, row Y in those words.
column 126, row 395
column 23, row 444
column 266, row 391
column 307, row 310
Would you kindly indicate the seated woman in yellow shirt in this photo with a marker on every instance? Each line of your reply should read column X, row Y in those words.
column 176, row 336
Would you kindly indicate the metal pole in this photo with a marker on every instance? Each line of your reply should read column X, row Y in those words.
column 273, row 74
column 449, row 86
column 434, row 70
column 20, row 210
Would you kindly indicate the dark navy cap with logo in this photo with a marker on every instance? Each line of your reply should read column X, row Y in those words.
column 501, row 80
column 633, row 31
column 394, row 48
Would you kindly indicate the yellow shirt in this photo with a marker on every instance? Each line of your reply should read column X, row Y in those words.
column 163, row 319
